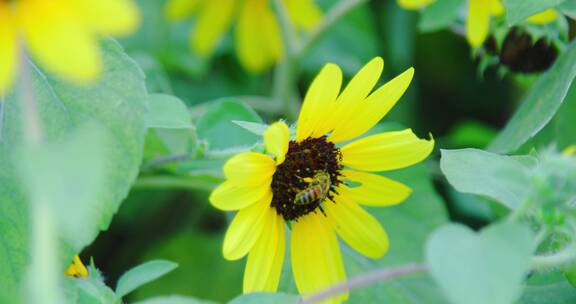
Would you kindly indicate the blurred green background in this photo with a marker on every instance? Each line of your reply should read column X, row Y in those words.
column 449, row 98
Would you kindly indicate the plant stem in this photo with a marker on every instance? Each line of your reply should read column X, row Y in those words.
column 289, row 37
column 172, row 182
column 519, row 212
column 363, row 280
column 561, row 258
column 333, row 16
column 31, row 118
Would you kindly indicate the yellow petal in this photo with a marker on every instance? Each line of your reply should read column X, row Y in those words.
column 59, row 41
column 316, row 260
column 357, row 227
column 77, row 268
column 322, row 92
column 276, row 139
column 347, row 104
column 304, row 14
column 264, row 265
column 374, row 108
column 478, row 22
column 375, row 190
column 8, row 53
column 214, row 19
column 246, row 228
column 97, row 15
column 258, row 40
column 414, row 4
column 230, row 196
column 496, row 8
column 569, row 151
column 544, row 17
column 250, row 169
column 177, row 10
column 386, row 151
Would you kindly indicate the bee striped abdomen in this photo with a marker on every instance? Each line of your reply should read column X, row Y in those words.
column 308, row 195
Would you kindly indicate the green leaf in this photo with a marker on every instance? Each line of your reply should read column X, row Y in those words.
column 439, row 15
column 253, row 127
column 216, row 125
column 79, row 163
column 478, row 268
column 141, row 275
column 503, row 178
column 174, row 300
column 547, row 288
column 518, row 10
column 568, row 8
column 570, row 274
column 89, row 290
column 266, row 298
column 167, row 112
column 116, row 103
column 540, row 105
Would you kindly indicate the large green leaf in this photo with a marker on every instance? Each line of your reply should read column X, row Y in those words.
column 487, row 267
column 540, row 105
column 518, row 10
column 116, row 104
column 503, row 178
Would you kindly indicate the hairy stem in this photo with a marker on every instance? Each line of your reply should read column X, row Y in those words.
column 364, row 280
column 564, row 257
column 31, row 119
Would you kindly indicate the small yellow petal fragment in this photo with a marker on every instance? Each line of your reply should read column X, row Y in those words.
column 478, row 22
column 414, row 4
column 230, row 196
column 214, row 19
column 250, row 169
column 375, row 190
column 316, row 260
column 322, row 92
column 544, row 17
column 357, row 227
column 264, row 264
column 246, row 228
column 8, row 53
column 569, row 151
column 386, row 151
column 177, row 10
column 77, row 268
column 304, row 14
column 276, row 139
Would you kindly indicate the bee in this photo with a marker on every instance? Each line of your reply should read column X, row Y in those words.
column 317, row 189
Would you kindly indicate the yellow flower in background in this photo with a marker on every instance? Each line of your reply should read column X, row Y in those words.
column 478, row 20
column 77, row 269
column 544, row 17
column 257, row 35
column 317, row 182
column 61, row 35
column 414, row 4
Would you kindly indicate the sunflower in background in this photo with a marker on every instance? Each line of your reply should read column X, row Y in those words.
column 61, row 35
column 257, row 34
column 479, row 13
column 316, row 181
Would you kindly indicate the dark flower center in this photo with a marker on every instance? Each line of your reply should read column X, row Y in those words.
column 308, row 176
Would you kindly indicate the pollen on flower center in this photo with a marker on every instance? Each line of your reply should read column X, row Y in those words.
column 308, row 176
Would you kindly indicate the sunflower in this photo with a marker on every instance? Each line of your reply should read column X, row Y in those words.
column 257, row 35
column 479, row 14
column 61, row 35
column 316, row 182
